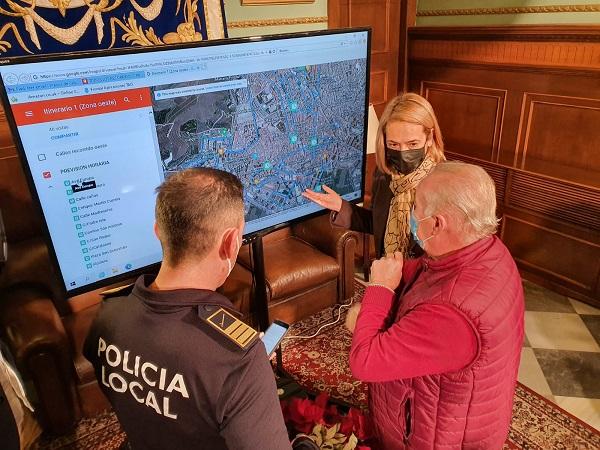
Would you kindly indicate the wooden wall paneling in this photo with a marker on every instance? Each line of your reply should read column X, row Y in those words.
column 547, row 224
column 517, row 82
column 378, row 87
column 470, row 117
column 7, row 147
column 568, row 208
column 408, row 16
column 565, row 54
column 570, row 150
column 383, row 16
column 578, row 205
column 563, row 46
column 569, row 262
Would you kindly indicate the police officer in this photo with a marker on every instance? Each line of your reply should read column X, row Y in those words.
column 178, row 366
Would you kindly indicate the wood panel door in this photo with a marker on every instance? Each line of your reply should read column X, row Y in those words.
column 383, row 16
column 524, row 103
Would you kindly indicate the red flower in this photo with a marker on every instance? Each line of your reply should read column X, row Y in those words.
column 355, row 422
column 303, row 414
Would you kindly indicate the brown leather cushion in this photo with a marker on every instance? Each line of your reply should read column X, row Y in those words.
column 77, row 327
column 292, row 266
column 29, row 262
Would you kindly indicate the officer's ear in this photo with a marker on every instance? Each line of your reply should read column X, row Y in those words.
column 229, row 244
column 157, row 231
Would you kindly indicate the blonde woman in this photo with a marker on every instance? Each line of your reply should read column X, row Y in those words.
column 409, row 145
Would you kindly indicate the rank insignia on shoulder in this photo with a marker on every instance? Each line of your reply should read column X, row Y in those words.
column 232, row 327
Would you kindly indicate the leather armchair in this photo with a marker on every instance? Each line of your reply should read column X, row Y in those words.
column 308, row 266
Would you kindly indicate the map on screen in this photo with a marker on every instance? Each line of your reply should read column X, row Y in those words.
column 97, row 133
column 279, row 131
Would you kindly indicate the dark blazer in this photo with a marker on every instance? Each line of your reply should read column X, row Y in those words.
column 374, row 220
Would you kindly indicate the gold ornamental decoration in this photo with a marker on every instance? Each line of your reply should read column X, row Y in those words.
column 510, row 10
column 94, row 11
column 276, row 22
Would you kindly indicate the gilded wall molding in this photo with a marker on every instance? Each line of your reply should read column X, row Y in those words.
column 510, row 10
column 276, row 22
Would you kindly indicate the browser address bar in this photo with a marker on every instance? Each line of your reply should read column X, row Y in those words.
column 200, row 89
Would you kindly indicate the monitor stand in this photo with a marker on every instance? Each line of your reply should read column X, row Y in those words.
column 261, row 302
column 260, row 299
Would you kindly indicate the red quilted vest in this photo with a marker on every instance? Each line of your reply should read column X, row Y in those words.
column 472, row 408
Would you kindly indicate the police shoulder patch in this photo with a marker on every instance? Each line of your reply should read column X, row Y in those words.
column 232, row 327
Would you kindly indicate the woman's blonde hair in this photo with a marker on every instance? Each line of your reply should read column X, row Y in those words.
column 412, row 108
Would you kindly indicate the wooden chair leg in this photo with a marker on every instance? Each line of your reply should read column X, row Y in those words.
column 366, row 255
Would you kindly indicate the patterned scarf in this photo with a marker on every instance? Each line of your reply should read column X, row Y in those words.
column 397, row 231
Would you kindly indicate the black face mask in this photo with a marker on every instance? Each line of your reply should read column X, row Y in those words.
column 405, row 162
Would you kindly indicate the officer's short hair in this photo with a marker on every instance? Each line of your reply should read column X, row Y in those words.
column 193, row 207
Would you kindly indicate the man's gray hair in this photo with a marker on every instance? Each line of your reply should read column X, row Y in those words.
column 468, row 193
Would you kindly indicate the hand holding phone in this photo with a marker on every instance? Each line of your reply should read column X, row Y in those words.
column 274, row 334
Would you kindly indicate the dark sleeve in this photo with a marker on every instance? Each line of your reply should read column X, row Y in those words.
column 90, row 345
column 353, row 217
column 428, row 340
column 252, row 415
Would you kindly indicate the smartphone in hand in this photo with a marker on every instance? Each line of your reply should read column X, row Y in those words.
column 274, row 334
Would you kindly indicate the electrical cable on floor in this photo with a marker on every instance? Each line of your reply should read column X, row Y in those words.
column 341, row 307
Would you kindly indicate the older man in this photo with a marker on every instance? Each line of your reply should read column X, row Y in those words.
column 178, row 366
column 439, row 338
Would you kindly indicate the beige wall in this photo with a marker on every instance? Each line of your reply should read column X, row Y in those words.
column 243, row 20
column 511, row 18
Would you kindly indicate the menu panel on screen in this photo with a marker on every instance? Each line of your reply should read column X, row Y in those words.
column 98, row 133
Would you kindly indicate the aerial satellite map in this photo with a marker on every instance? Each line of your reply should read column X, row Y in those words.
column 280, row 131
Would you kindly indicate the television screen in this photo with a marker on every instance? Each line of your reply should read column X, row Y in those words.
column 98, row 132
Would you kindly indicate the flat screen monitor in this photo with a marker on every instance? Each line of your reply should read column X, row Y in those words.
column 97, row 132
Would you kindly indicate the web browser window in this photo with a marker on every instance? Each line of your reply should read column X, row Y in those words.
column 100, row 133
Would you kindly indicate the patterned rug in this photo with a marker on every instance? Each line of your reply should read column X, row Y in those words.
column 320, row 364
column 101, row 432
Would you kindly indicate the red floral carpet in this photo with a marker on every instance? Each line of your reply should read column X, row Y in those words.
column 320, row 364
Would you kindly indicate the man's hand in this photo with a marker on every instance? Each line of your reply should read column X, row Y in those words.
column 352, row 316
column 274, row 355
column 387, row 271
column 330, row 200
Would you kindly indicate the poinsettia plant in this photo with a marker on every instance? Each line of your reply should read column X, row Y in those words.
column 325, row 424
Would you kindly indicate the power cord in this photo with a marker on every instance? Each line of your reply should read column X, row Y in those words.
column 341, row 307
